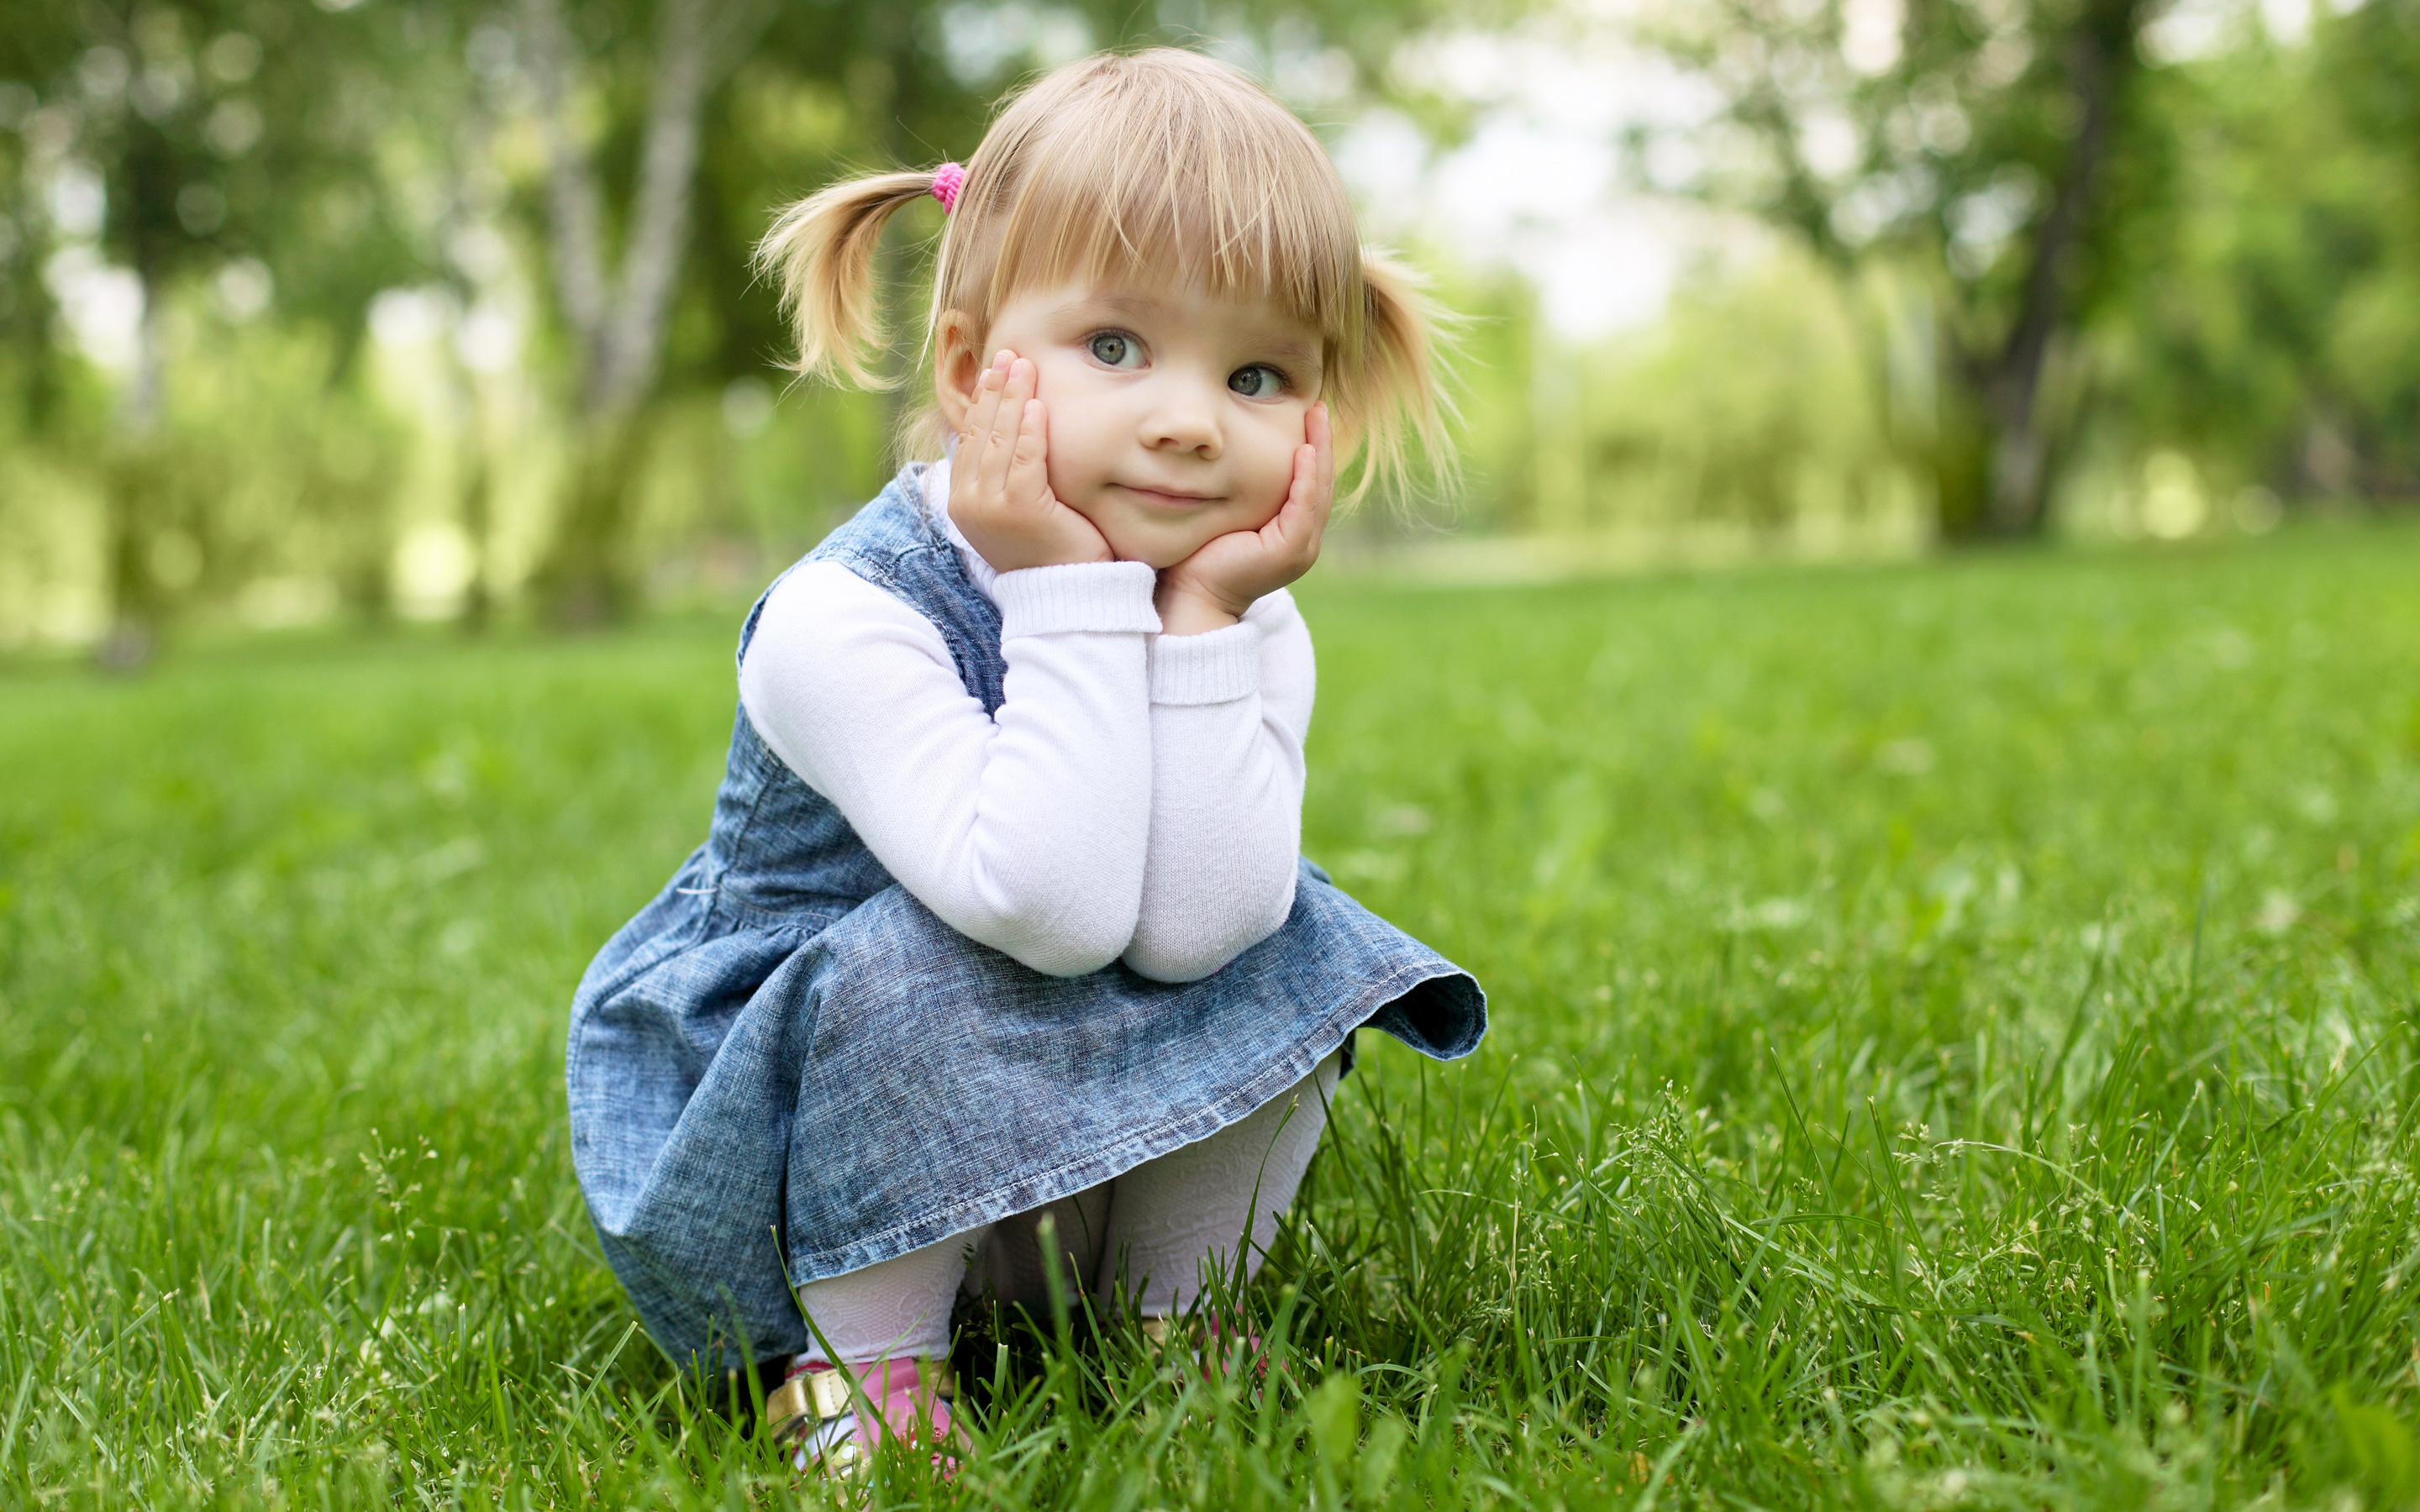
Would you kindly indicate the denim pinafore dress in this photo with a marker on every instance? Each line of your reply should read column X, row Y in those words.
column 785, row 1068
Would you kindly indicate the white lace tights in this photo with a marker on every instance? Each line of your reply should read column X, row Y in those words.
column 1148, row 1235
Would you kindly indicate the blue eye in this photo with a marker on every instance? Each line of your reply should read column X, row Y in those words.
column 1258, row 381
column 1115, row 348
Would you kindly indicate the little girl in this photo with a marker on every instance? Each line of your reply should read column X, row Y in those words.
column 1001, row 914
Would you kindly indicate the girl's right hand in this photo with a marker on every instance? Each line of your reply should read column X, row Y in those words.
column 999, row 482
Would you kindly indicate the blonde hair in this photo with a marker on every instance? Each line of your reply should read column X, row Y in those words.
column 1162, row 163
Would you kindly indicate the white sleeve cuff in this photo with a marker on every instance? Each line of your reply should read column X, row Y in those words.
column 1214, row 668
column 1111, row 596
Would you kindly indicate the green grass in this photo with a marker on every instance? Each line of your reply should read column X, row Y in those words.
column 1955, row 1045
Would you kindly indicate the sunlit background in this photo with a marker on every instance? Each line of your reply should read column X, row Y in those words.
column 1946, row 868
column 438, row 310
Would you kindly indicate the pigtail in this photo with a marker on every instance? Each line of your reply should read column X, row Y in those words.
column 1399, row 402
column 820, row 253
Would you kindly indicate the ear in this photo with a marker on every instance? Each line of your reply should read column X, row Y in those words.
column 958, row 368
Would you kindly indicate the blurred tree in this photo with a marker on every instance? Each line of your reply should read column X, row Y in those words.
column 243, row 170
column 228, row 138
column 1973, row 142
column 31, row 375
column 2371, row 56
column 1787, row 445
column 617, row 316
column 2264, row 308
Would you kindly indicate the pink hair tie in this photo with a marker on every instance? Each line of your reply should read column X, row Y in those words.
column 947, row 180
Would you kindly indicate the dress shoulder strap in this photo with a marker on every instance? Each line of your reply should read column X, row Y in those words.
column 893, row 544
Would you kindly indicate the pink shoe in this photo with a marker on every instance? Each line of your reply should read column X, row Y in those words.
column 824, row 1410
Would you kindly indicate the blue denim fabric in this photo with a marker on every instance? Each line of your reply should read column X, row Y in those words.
column 786, row 1068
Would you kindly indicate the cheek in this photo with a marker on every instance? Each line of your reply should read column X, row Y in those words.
column 1081, row 439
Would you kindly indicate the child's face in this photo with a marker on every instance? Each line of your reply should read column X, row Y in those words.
column 1173, row 416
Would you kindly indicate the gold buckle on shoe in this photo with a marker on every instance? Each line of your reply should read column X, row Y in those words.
column 819, row 1395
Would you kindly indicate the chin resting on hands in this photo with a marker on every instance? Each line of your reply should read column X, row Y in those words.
column 1211, row 589
column 999, row 482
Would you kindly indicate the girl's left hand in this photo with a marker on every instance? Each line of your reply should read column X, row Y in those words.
column 1211, row 589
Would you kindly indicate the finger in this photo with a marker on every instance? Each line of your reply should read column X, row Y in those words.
column 1299, row 515
column 1015, row 394
column 1323, row 494
column 999, row 433
column 1322, row 440
column 968, row 501
column 1028, row 472
column 979, row 419
column 1017, row 384
column 1320, row 463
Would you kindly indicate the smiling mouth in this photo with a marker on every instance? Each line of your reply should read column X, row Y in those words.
column 1167, row 498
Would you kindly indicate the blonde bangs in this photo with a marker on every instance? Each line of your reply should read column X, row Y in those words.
column 1160, row 167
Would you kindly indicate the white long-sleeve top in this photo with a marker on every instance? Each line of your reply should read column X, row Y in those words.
column 1135, row 795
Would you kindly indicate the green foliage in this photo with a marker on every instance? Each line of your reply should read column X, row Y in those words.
column 2118, row 243
column 2232, row 302
column 1748, row 419
column 1954, row 1046
column 1746, row 406
column 268, row 494
column 1970, row 147
column 2276, row 270
column 223, row 128
column 297, row 161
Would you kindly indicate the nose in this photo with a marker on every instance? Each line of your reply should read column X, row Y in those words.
column 1182, row 417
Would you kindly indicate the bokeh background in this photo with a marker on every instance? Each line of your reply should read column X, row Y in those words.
column 1954, row 1010
column 438, row 310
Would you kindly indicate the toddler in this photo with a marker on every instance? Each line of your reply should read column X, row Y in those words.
column 1002, row 913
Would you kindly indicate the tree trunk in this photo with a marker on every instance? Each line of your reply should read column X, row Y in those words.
column 133, row 609
column 1959, row 453
column 618, row 320
column 478, row 525
column 588, row 577
column 131, row 477
column 132, row 482
column 2006, row 387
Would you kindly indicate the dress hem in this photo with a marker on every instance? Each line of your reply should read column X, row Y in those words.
column 1150, row 1143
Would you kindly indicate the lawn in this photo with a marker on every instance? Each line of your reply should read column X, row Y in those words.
column 1955, row 1045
